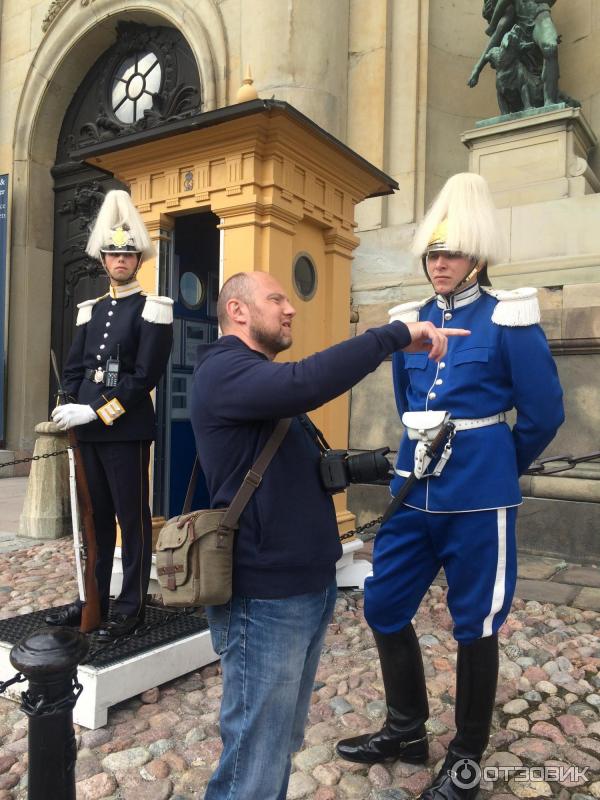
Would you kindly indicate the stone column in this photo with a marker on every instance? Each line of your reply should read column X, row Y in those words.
column 47, row 512
column 298, row 52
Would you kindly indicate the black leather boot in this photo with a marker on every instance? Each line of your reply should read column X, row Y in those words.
column 69, row 615
column 476, row 679
column 403, row 736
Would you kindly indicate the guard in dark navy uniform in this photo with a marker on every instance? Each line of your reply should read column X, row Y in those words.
column 118, row 355
column 461, row 513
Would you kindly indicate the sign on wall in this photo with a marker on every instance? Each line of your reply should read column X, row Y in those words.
column 3, row 241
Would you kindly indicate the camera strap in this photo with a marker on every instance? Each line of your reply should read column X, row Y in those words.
column 314, row 433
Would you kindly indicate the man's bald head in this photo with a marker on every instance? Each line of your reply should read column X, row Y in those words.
column 239, row 287
column 254, row 307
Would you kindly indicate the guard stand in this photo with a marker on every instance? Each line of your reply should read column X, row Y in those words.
column 283, row 193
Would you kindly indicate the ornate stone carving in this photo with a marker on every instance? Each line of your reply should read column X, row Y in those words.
column 178, row 96
column 56, row 6
column 54, row 10
column 80, row 211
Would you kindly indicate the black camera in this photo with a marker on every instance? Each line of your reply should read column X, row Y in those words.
column 338, row 468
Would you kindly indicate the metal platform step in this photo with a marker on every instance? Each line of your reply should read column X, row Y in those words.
column 170, row 644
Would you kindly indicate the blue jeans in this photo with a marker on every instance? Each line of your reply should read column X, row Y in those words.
column 269, row 656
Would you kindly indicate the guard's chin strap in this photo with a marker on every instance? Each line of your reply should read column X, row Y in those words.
column 137, row 269
column 479, row 265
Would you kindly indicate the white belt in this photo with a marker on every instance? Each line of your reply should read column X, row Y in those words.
column 422, row 460
column 482, row 422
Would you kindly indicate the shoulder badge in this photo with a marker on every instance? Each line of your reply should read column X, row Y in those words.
column 158, row 309
column 515, row 307
column 408, row 312
column 84, row 314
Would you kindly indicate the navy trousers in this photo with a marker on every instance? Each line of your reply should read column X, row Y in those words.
column 117, row 474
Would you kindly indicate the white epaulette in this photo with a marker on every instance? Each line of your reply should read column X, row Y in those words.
column 84, row 314
column 515, row 307
column 158, row 309
column 408, row 312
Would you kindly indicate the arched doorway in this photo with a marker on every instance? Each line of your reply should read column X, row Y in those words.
column 73, row 40
column 148, row 77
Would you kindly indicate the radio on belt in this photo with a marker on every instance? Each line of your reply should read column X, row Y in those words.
column 111, row 374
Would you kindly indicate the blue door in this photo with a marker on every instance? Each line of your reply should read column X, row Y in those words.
column 195, row 282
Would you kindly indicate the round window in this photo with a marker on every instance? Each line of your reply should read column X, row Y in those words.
column 305, row 277
column 191, row 290
column 135, row 82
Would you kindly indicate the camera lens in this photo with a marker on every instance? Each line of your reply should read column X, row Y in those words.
column 369, row 467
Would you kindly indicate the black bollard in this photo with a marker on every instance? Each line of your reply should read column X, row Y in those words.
column 48, row 658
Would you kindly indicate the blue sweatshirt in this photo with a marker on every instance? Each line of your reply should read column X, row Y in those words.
column 288, row 542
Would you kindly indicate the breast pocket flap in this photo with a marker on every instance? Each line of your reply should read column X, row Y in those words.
column 415, row 360
column 470, row 355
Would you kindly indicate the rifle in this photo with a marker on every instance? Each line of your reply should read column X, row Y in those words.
column 84, row 531
column 432, row 450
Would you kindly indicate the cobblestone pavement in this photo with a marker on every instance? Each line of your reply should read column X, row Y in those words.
column 164, row 744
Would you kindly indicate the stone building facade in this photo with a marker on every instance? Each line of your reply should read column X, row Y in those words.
column 389, row 79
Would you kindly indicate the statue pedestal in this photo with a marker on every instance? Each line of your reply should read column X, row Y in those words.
column 532, row 158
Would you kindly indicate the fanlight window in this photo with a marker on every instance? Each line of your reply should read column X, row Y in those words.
column 135, row 81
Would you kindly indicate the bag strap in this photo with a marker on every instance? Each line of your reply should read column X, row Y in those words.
column 189, row 495
column 251, row 481
column 254, row 475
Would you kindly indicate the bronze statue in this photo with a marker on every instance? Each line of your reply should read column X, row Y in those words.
column 523, row 49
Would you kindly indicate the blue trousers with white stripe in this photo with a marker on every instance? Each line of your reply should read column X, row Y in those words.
column 477, row 551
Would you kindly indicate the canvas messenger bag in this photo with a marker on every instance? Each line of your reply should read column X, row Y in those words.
column 194, row 551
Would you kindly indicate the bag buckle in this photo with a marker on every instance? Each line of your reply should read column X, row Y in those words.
column 253, row 478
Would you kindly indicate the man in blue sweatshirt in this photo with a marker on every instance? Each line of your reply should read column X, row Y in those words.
column 270, row 634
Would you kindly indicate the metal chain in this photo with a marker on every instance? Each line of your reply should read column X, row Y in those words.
column 34, row 458
column 358, row 530
column 38, row 707
column 18, row 678
column 539, row 467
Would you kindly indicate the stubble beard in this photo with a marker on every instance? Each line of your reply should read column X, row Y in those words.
column 272, row 342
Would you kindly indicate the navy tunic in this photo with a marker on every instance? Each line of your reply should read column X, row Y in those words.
column 143, row 348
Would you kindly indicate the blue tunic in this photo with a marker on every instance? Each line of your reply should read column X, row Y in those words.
column 497, row 368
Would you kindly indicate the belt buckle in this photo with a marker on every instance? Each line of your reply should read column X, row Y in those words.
column 98, row 375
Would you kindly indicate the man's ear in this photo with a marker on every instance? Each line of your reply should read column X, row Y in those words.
column 237, row 311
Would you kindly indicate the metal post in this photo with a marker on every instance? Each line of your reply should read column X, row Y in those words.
column 48, row 658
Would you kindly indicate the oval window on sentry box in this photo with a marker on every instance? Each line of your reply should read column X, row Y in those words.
column 304, row 276
column 191, row 290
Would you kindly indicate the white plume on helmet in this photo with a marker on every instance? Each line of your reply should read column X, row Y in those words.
column 463, row 218
column 119, row 228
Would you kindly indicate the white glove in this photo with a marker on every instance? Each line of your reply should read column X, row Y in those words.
column 72, row 414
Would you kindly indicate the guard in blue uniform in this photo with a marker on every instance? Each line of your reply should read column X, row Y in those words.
column 461, row 513
column 118, row 355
